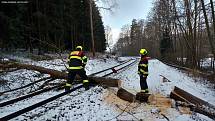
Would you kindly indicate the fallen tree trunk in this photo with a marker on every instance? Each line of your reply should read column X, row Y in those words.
column 51, row 72
column 200, row 109
column 8, row 70
column 197, row 104
column 181, row 95
column 62, row 75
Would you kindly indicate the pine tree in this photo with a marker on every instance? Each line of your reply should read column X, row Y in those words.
column 64, row 24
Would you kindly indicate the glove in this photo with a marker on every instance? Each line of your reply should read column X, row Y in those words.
column 138, row 73
column 145, row 75
column 83, row 64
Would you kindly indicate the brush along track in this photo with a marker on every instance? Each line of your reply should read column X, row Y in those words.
column 17, row 113
column 187, row 69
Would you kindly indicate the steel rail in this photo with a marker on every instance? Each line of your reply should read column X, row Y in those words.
column 51, row 80
column 17, row 113
column 109, row 68
column 26, row 96
column 27, row 109
column 46, row 90
column 26, row 85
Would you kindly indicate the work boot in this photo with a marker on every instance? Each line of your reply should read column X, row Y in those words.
column 67, row 87
column 86, row 84
column 144, row 91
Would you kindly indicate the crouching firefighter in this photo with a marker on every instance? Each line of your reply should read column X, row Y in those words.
column 77, row 63
column 143, row 71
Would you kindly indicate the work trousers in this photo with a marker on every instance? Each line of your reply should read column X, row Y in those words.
column 81, row 73
column 143, row 83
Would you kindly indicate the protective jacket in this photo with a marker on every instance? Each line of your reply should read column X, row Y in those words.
column 77, row 60
column 143, row 66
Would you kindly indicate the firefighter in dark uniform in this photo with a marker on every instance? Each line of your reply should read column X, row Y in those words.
column 143, row 70
column 77, row 62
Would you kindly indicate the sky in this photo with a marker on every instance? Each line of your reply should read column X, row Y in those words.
column 123, row 14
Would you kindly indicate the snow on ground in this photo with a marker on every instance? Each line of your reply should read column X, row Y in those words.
column 102, row 103
column 194, row 86
column 155, row 81
column 206, row 62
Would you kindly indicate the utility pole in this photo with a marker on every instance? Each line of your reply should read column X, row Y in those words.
column 91, row 26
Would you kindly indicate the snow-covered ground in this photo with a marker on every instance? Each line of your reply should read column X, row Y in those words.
column 100, row 103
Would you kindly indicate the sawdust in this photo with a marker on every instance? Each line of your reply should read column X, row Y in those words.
column 111, row 98
column 185, row 110
column 161, row 102
column 158, row 106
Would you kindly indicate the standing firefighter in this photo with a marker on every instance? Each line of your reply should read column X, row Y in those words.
column 77, row 62
column 143, row 70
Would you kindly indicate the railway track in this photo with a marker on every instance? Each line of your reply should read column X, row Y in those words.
column 49, row 88
column 28, row 85
column 49, row 79
column 19, row 112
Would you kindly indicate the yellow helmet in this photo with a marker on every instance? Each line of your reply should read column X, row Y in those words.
column 79, row 47
column 143, row 51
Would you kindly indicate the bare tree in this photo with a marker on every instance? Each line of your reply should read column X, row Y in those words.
column 108, row 37
column 208, row 27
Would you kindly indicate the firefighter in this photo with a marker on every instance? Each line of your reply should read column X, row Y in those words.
column 77, row 63
column 143, row 71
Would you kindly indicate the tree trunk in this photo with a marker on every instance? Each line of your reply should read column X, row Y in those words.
column 200, row 105
column 181, row 95
column 111, row 82
column 213, row 16
column 208, row 28
column 125, row 95
column 91, row 26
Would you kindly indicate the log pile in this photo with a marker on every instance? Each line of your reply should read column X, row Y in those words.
column 196, row 104
column 181, row 95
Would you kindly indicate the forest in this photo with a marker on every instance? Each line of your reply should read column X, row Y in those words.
column 177, row 31
column 50, row 25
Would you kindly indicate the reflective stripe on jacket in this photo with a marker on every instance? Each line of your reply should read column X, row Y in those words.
column 143, row 66
column 77, row 60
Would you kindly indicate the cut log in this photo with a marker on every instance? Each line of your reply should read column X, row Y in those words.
column 181, row 95
column 111, row 82
column 125, row 95
column 196, row 104
column 142, row 97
